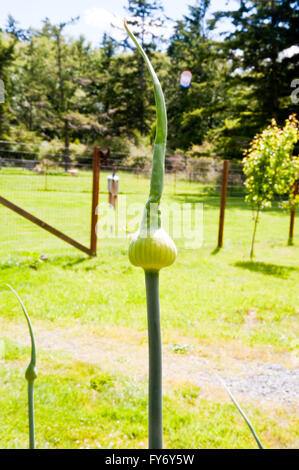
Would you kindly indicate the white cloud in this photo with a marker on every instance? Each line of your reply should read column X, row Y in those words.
column 103, row 20
column 111, row 23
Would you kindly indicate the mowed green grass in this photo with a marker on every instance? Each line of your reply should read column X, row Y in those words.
column 206, row 296
column 81, row 406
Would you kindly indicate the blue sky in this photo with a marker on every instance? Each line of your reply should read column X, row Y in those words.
column 95, row 15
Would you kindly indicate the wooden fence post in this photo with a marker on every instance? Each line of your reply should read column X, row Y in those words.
column 96, row 165
column 44, row 225
column 223, row 202
column 293, row 212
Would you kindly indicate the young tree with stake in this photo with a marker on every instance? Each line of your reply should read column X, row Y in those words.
column 270, row 168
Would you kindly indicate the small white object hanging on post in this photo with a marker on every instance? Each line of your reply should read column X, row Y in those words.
column 113, row 187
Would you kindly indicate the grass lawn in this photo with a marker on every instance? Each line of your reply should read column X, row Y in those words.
column 218, row 305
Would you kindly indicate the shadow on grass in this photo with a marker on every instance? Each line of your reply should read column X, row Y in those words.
column 267, row 268
column 216, row 250
column 212, row 199
column 80, row 263
column 71, row 262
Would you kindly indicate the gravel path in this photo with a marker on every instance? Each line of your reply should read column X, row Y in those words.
column 268, row 381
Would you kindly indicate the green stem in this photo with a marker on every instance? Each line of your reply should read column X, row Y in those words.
column 155, row 360
column 31, row 415
column 242, row 413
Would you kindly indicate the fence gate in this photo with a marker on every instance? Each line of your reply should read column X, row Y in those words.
column 92, row 249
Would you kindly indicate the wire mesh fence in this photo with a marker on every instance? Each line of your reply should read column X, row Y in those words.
column 42, row 186
column 205, row 171
column 45, row 190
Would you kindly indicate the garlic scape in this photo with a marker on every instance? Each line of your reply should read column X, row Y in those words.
column 30, row 374
column 152, row 249
column 157, row 249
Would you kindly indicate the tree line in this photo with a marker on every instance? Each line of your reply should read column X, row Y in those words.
column 64, row 91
